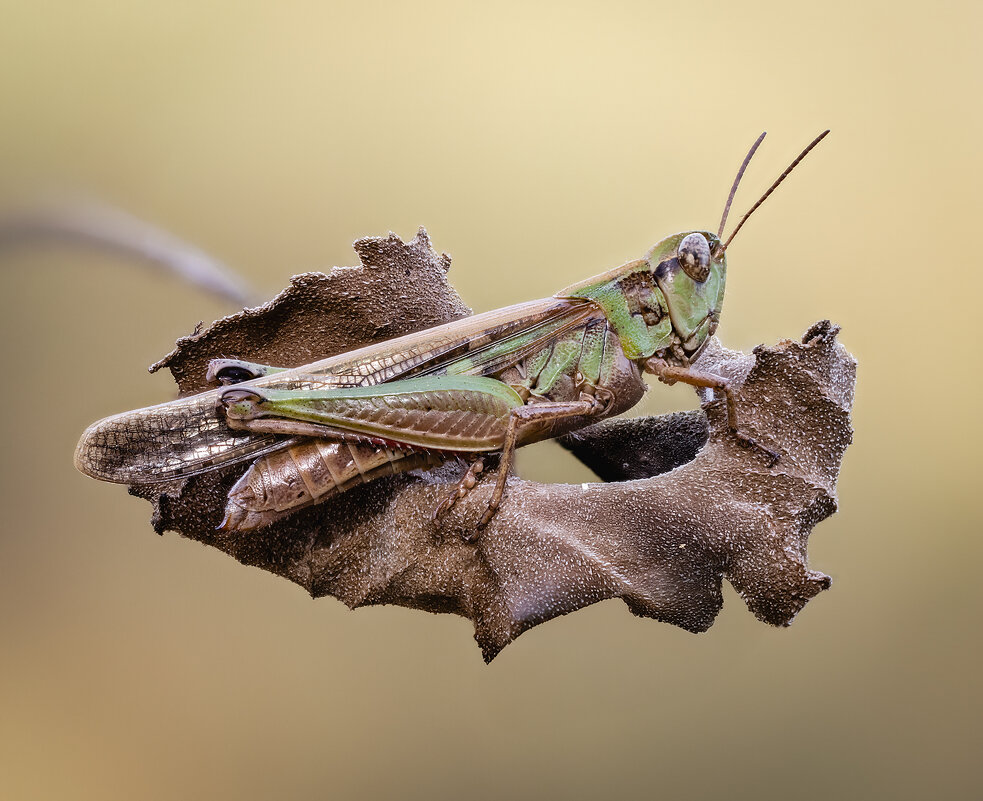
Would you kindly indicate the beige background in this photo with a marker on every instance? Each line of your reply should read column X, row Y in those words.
column 138, row 667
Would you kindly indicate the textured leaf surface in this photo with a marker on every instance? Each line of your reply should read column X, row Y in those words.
column 686, row 506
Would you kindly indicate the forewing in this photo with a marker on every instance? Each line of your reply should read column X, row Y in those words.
column 172, row 440
column 478, row 345
column 189, row 436
column 513, row 341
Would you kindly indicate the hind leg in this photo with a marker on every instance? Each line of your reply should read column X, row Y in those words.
column 465, row 485
column 523, row 416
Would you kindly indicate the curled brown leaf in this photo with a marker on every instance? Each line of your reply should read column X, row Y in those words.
column 686, row 506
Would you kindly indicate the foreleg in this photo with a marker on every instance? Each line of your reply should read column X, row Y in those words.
column 697, row 378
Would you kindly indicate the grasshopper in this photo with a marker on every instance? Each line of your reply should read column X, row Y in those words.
column 469, row 388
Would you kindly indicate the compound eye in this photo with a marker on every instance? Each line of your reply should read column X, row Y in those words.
column 694, row 257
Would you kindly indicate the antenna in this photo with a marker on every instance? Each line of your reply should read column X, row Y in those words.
column 771, row 189
column 737, row 182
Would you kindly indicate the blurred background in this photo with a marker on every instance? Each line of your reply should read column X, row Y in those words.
column 572, row 136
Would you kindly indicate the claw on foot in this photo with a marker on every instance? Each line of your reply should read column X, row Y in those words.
column 465, row 485
column 487, row 516
column 748, row 442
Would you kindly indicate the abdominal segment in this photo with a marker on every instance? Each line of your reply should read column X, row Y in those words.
column 309, row 472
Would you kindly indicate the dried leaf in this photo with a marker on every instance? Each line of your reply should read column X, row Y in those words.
column 689, row 506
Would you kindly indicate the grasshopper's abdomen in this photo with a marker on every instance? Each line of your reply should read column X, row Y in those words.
column 310, row 472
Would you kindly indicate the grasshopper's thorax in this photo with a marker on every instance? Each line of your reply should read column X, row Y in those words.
column 667, row 304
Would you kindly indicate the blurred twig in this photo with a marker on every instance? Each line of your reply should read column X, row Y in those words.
column 77, row 221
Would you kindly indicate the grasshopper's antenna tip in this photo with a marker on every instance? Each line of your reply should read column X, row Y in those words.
column 771, row 189
column 737, row 183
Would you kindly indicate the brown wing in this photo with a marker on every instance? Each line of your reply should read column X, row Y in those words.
column 478, row 345
column 189, row 436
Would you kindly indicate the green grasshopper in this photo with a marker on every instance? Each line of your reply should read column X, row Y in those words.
column 470, row 388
